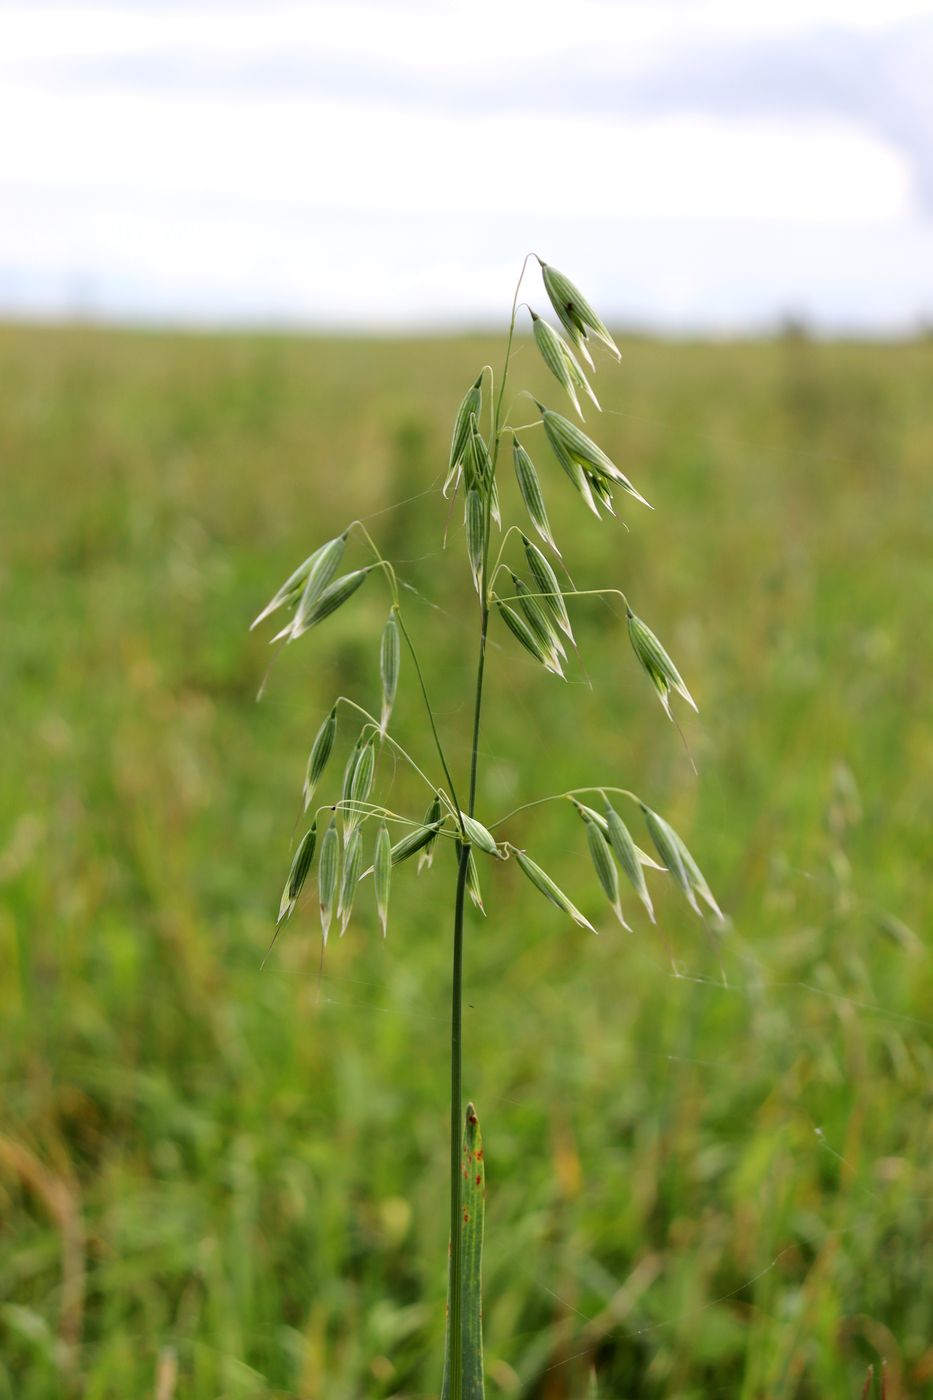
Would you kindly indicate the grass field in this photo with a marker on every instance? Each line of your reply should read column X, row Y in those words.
column 232, row 1183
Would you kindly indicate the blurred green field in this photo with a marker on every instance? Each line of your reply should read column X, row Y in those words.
column 221, row 1182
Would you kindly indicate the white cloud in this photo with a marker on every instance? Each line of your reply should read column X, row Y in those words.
column 221, row 160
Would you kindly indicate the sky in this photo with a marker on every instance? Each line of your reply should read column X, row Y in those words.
column 712, row 165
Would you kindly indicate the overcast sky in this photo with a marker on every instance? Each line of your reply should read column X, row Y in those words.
column 692, row 163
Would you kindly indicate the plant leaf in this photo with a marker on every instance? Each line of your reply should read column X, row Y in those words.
column 473, row 1204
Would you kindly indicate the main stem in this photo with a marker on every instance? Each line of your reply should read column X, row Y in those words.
column 455, row 1289
column 455, row 1292
column 456, row 1050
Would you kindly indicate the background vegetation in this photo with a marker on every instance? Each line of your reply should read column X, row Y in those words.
column 228, row 1183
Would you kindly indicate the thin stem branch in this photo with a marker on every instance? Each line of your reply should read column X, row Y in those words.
column 366, row 810
column 427, row 705
column 566, row 593
column 561, row 797
column 345, row 700
column 512, row 530
column 508, row 354
column 393, row 584
column 386, row 566
column 521, row 427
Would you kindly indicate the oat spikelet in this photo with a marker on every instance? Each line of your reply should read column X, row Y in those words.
column 389, row 663
column 320, row 752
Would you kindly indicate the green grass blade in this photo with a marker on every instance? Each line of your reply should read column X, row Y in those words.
column 474, row 1206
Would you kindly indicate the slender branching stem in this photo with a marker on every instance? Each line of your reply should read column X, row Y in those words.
column 366, row 810
column 351, row 704
column 383, row 562
column 430, row 712
column 512, row 530
column 564, row 593
column 393, row 585
column 497, row 422
column 522, row 427
column 561, row 797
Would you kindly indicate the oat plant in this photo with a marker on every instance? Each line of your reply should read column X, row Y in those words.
column 523, row 588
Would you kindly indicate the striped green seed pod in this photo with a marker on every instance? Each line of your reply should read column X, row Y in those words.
column 475, row 534
column 298, row 873
column 478, row 835
column 576, row 314
column 579, row 379
column 656, row 663
column 361, row 783
column 432, row 818
column 481, row 473
column 319, row 577
column 471, row 406
column 480, row 460
column 552, row 351
column 415, row 841
column 333, row 597
column 544, row 576
column 382, row 874
column 293, row 587
column 578, row 477
column 583, row 482
column 540, row 621
column 389, row 663
column 648, row 862
column 352, row 865
column 601, row 492
column 472, row 883
column 561, row 361
column 590, row 814
column 350, row 768
column 520, row 629
column 604, row 865
column 567, row 439
column 546, row 886
column 320, row 753
column 353, row 759
column 668, row 846
column 565, row 306
column 626, row 853
column 530, row 488
column 696, row 877
column 328, row 872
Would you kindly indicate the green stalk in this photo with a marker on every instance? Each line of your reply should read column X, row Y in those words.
column 455, row 1293
column 455, row 1288
column 430, row 713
